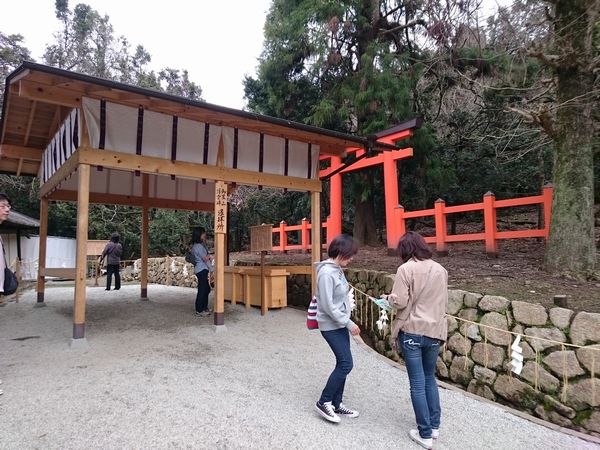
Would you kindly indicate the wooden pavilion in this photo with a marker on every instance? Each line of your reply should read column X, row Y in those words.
column 95, row 140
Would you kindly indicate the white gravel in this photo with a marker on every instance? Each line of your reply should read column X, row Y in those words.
column 156, row 376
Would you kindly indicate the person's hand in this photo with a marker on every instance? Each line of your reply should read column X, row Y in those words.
column 355, row 331
column 206, row 258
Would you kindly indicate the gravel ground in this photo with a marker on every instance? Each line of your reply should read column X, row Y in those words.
column 156, row 376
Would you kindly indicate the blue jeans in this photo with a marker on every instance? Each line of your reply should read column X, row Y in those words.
column 203, row 291
column 339, row 341
column 420, row 355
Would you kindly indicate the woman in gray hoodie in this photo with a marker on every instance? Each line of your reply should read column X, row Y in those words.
column 333, row 316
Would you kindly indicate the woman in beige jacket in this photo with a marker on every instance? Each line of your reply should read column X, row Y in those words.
column 419, row 296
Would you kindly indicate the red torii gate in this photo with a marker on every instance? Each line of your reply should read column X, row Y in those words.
column 390, row 179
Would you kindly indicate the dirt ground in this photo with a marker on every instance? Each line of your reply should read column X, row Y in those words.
column 516, row 274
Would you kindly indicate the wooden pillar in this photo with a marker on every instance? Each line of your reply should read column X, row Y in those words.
column 547, row 194
column 315, row 203
column 490, row 227
column 144, row 242
column 220, row 232
column 390, row 182
column 335, row 201
column 441, row 228
column 83, row 200
column 41, row 280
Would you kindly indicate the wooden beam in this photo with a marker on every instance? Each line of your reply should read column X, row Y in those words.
column 315, row 238
column 29, row 123
column 148, row 164
column 20, row 152
column 144, row 243
column 19, row 167
column 128, row 200
column 12, row 166
column 220, row 214
column 49, row 94
column 60, row 272
column 42, row 249
column 81, row 259
column 69, row 166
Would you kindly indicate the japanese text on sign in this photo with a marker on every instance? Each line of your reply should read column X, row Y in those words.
column 220, row 207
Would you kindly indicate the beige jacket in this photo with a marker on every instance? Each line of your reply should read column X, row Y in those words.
column 419, row 297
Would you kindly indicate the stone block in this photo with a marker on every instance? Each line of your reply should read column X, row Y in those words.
column 579, row 394
column 546, row 381
column 468, row 314
column 593, row 423
column 552, row 417
column 495, row 320
column 585, row 329
column 486, row 376
column 473, row 332
column 441, row 369
column 455, row 301
column 557, row 406
column 458, row 373
column 452, row 324
column 471, row 299
column 495, row 355
column 585, row 356
column 493, row 303
column 516, row 391
column 458, row 344
column 560, row 317
column 482, row 390
column 529, row 313
column 554, row 334
column 564, row 363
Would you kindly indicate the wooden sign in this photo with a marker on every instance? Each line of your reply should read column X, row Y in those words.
column 261, row 238
column 220, row 207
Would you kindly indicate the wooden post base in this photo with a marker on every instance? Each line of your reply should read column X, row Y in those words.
column 144, row 293
column 219, row 318
column 78, row 330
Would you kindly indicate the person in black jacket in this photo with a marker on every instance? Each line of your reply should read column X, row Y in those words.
column 112, row 252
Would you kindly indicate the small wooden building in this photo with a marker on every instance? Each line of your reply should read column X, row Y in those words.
column 95, row 140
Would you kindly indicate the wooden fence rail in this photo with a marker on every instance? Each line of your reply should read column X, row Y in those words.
column 490, row 235
column 489, row 206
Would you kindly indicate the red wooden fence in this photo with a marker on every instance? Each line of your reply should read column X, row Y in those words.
column 439, row 212
column 489, row 205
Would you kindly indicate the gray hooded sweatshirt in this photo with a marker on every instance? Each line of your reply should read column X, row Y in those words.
column 333, row 306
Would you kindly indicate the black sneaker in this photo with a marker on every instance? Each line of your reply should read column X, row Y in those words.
column 327, row 412
column 346, row 412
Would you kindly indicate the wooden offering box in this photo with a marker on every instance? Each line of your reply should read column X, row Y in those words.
column 242, row 284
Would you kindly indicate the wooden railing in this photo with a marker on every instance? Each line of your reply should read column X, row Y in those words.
column 303, row 231
column 489, row 206
column 439, row 212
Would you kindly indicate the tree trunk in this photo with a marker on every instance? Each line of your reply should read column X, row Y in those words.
column 571, row 247
column 364, row 229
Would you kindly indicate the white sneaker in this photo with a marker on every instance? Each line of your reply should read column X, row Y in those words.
column 1, row 392
column 416, row 437
column 327, row 412
column 346, row 412
column 435, row 433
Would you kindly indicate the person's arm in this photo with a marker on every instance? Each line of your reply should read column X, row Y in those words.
column 398, row 299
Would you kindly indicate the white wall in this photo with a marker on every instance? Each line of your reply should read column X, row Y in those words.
column 60, row 252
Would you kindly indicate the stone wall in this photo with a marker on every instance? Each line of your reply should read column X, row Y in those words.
column 171, row 271
column 556, row 383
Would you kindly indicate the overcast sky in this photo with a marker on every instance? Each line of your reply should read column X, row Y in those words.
column 218, row 42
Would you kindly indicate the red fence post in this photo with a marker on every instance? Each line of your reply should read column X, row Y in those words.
column 390, row 182
column 334, row 220
column 283, row 236
column 400, row 229
column 547, row 192
column 305, row 236
column 441, row 230
column 490, row 226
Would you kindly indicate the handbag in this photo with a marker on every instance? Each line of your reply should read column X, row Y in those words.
column 311, row 315
column 189, row 258
column 10, row 282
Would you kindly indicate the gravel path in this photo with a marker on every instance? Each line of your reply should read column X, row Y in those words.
column 156, row 376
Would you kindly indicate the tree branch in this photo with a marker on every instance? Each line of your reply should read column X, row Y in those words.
column 549, row 60
column 409, row 24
